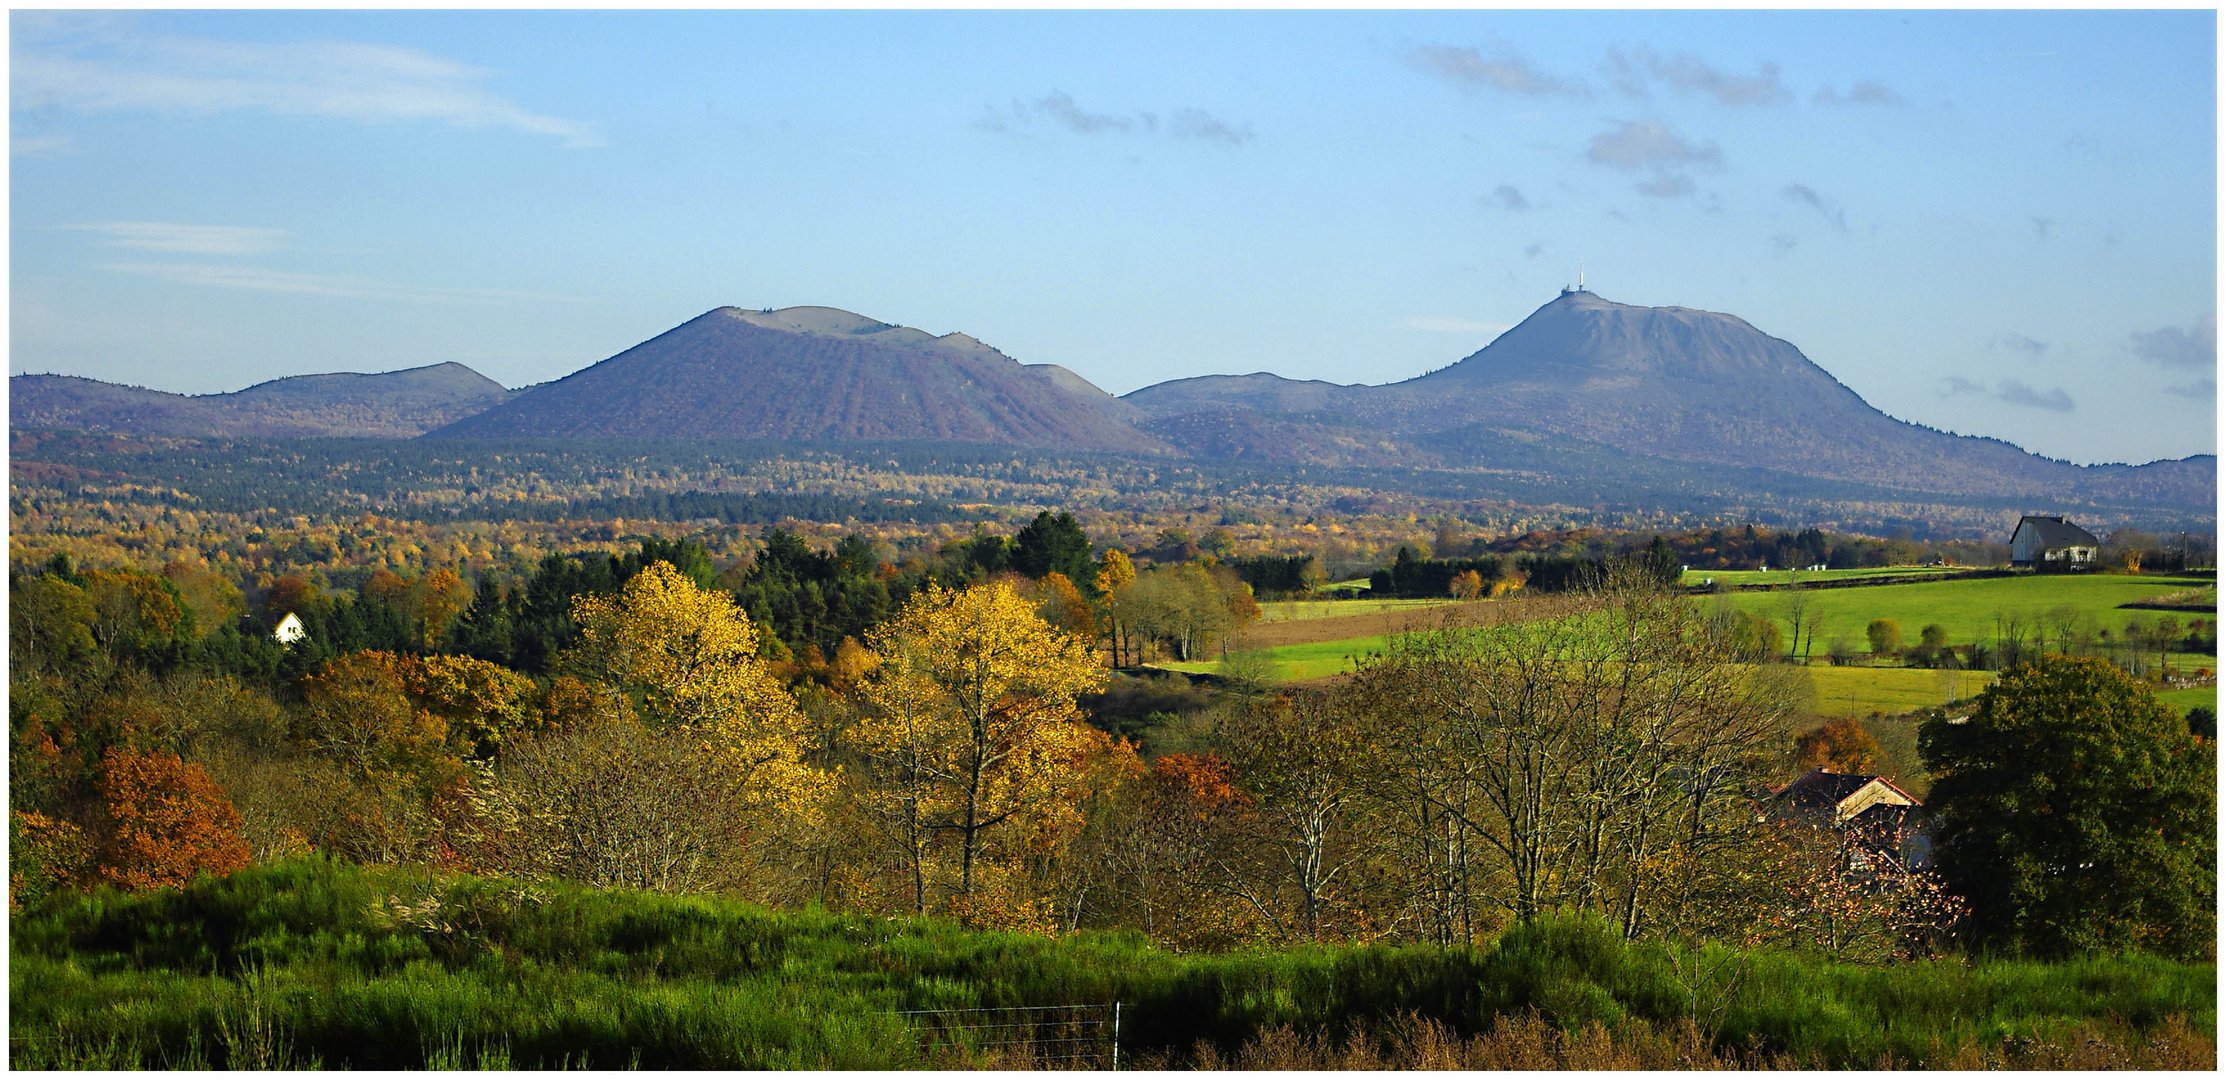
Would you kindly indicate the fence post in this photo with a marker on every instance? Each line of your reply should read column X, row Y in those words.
column 1116, row 1036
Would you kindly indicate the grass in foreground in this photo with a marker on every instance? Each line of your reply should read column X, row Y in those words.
column 308, row 963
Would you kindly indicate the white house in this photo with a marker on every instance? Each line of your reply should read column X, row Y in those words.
column 2051, row 543
column 289, row 629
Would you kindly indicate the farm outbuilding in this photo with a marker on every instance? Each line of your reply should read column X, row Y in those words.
column 1881, row 818
column 2051, row 543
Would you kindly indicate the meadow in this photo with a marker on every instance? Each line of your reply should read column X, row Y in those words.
column 309, row 963
column 1967, row 608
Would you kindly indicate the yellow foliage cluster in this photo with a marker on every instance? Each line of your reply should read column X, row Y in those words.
column 686, row 657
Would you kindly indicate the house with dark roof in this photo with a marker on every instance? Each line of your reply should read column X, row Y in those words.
column 1886, row 827
column 2051, row 543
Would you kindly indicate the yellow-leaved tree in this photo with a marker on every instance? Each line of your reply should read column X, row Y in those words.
column 970, row 734
column 681, row 657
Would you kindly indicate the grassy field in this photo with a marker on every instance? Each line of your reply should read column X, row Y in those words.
column 312, row 964
column 1966, row 609
column 1861, row 691
column 1781, row 577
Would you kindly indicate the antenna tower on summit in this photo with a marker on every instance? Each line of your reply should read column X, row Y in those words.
column 1580, row 275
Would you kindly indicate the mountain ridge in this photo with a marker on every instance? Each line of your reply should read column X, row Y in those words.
column 390, row 404
column 816, row 374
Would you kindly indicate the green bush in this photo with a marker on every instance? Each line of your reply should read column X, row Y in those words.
column 310, row 963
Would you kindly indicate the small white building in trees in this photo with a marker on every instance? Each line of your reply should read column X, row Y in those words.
column 2051, row 543
column 290, row 629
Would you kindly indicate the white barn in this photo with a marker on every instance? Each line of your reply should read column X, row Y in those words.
column 2051, row 543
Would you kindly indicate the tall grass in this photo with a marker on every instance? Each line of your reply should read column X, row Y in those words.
column 312, row 964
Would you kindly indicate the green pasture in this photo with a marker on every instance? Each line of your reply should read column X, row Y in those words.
column 1857, row 690
column 1968, row 609
column 1781, row 577
column 2182, row 700
column 1300, row 663
column 1861, row 691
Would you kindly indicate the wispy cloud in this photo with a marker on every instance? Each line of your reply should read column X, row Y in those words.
column 2200, row 390
column 260, row 279
column 1636, row 145
column 1059, row 110
column 38, row 146
column 1467, row 67
column 1864, row 92
column 2041, row 227
column 1806, row 195
column 112, row 66
column 1782, row 243
column 2013, row 392
column 2020, row 343
column 176, row 239
column 2174, row 347
column 2009, row 392
column 1507, row 197
column 1689, row 74
column 1200, row 124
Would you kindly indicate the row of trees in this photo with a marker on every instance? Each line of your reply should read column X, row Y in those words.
column 1598, row 751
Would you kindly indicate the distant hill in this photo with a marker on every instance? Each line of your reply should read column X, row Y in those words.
column 1667, row 383
column 395, row 404
column 817, row 374
column 1586, row 396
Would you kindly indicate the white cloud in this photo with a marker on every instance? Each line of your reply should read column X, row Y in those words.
column 1687, row 73
column 2173, row 347
column 116, row 68
column 1638, row 144
column 1864, row 92
column 177, row 239
column 1505, row 72
column 260, row 279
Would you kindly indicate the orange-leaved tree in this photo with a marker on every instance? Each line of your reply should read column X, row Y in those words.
column 165, row 820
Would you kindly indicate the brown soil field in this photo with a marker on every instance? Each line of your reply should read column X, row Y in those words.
column 1269, row 635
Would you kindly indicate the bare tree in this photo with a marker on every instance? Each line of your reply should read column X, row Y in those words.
column 1609, row 740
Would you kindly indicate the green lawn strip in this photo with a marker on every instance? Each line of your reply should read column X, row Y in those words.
column 303, row 964
column 1860, row 691
column 1300, row 663
column 1781, row 577
column 2184, row 699
column 1966, row 609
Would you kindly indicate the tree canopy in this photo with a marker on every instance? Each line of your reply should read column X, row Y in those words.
column 2075, row 812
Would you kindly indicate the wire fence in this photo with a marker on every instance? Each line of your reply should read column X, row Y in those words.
column 1025, row 1036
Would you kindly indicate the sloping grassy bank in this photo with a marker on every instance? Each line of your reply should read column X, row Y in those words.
column 308, row 963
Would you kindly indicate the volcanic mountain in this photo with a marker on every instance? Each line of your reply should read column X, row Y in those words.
column 816, row 374
column 1667, row 383
column 395, row 404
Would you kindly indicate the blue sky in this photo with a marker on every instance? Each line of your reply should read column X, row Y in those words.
column 1994, row 223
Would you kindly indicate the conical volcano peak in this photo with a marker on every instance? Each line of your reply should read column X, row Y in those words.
column 1581, row 336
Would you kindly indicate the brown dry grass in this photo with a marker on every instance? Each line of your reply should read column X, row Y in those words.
column 1529, row 1043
